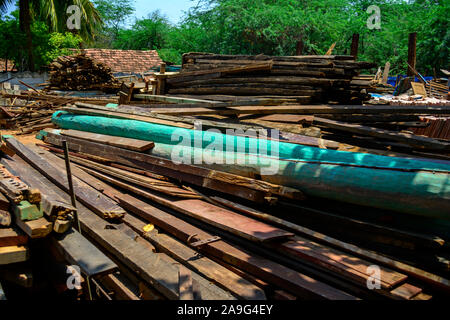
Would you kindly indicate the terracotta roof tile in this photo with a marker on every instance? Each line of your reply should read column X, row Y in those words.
column 135, row 61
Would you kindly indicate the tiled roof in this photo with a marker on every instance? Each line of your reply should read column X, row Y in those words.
column 134, row 61
column 10, row 65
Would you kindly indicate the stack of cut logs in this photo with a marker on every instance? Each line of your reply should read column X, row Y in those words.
column 307, row 78
column 80, row 73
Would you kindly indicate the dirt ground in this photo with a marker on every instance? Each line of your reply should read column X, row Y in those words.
column 25, row 138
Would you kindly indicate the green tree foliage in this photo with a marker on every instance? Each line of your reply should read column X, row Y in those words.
column 53, row 13
column 115, row 15
column 47, row 45
column 272, row 27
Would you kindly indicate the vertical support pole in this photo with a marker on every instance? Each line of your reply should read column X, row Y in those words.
column 300, row 46
column 162, row 69
column 412, row 53
column 70, row 183
column 355, row 44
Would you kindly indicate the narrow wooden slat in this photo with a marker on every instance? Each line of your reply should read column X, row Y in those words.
column 409, row 139
column 12, row 237
column 13, row 254
column 120, row 142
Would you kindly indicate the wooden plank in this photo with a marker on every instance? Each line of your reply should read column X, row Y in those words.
column 272, row 272
column 98, row 203
column 35, row 229
column 409, row 139
column 162, row 186
column 151, row 97
column 305, row 110
column 120, row 142
column 431, row 279
column 13, row 254
column 121, row 291
column 339, row 262
column 258, row 66
column 201, row 264
column 77, row 250
column 227, row 220
column 12, row 237
column 5, row 218
column 4, row 202
column 406, row 291
column 114, row 114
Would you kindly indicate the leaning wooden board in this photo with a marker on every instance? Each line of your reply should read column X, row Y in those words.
column 120, row 142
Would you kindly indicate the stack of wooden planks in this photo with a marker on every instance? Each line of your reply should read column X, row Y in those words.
column 304, row 78
column 80, row 72
column 244, row 250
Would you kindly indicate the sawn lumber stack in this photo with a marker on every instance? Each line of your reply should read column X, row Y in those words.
column 307, row 78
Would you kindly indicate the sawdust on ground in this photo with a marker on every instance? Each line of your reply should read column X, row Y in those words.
column 25, row 138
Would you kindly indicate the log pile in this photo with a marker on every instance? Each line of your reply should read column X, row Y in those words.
column 308, row 78
column 80, row 73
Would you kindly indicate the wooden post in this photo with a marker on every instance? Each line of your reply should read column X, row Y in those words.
column 162, row 69
column 300, row 46
column 387, row 66
column 412, row 53
column 355, row 43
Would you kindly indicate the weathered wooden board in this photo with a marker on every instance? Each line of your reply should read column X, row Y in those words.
column 13, row 254
column 289, row 279
column 409, row 139
column 120, row 142
column 12, row 237
column 35, row 229
column 216, row 273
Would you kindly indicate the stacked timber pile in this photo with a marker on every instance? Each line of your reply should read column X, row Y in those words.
column 215, row 230
column 306, row 78
column 30, row 111
column 80, row 73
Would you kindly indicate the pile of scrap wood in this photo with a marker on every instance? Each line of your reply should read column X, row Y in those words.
column 20, row 220
column 30, row 111
column 306, row 78
column 218, row 228
column 80, row 73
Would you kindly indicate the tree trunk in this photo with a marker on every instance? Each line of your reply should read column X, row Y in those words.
column 25, row 26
